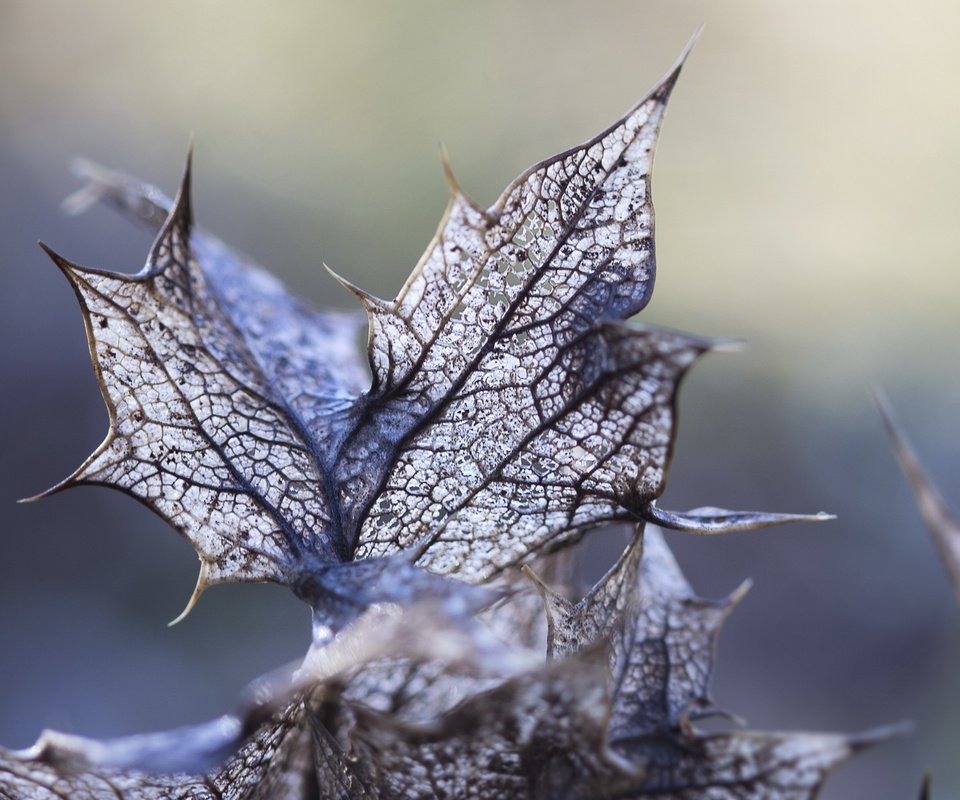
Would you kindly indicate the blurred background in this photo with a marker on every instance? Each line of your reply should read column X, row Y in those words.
column 806, row 198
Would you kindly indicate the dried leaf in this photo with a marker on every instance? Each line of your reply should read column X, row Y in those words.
column 663, row 639
column 509, row 409
column 669, row 661
column 538, row 735
column 221, row 388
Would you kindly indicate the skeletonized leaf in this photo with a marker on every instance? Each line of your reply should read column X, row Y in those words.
column 222, row 391
column 537, row 735
column 477, row 358
column 583, row 441
column 665, row 677
column 510, row 408
column 663, row 637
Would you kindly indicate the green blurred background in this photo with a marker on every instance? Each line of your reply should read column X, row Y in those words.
column 806, row 198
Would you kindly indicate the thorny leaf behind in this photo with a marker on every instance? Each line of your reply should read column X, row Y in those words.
column 943, row 526
column 544, row 731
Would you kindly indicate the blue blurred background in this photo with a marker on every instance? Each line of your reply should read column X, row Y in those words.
column 806, row 198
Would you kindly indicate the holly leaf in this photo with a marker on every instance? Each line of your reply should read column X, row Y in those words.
column 220, row 389
column 662, row 644
column 663, row 637
column 510, row 407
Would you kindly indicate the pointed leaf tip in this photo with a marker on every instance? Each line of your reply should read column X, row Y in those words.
column 76, row 478
column 178, row 221
column 183, row 204
column 367, row 300
column 881, row 735
column 456, row 190
column 665, row 86
column 448, row 173
column 202, row 584
column 65, row 266
column 532, row 576
column 727, row 345
column 737, row 595
column 709, row 520
column 44, row 494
